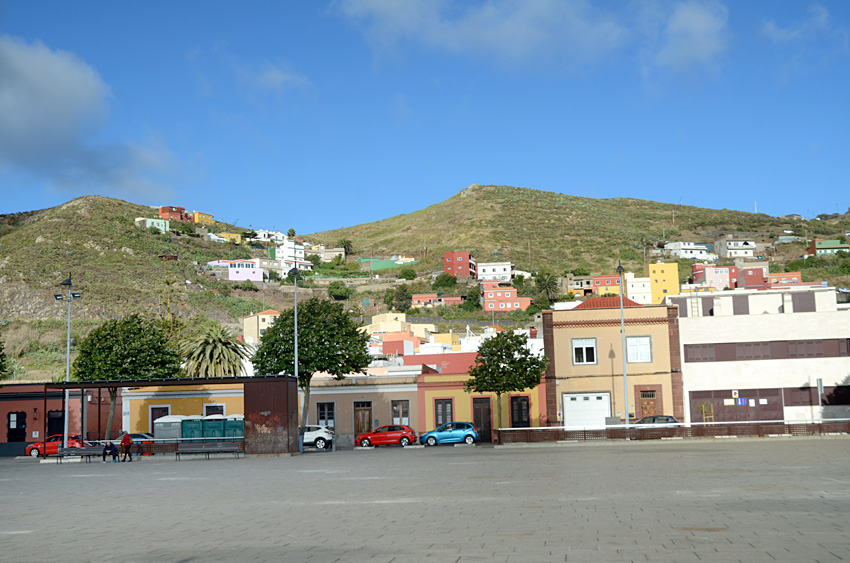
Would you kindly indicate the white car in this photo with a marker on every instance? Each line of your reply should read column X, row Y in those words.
column 318, row 436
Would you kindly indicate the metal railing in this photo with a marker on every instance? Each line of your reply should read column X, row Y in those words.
column 760, row 429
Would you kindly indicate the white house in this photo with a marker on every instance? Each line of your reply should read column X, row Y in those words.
column 501, row 271
column 730, row 247
column 752, row 355
column 689, row 251
column 638, row 290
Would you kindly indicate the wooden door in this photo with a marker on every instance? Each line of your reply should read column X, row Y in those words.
column 520, row 412
column 157, row 412
column 648, row 404
column 362, row 417
column 481, row 418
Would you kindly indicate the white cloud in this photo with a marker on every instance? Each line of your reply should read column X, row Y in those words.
column 508, row 31
column 52, row 105
column 695, row 34
column 817, row 22
column 271, row 78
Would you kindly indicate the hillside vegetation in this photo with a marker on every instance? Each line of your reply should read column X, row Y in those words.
column 535, row 229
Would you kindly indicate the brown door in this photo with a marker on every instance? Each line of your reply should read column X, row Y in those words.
column 481, row 418
column 648, row 404
column 157, row 412
column 519, row 412
column 362, row 417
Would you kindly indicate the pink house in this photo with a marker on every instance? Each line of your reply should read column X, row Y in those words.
column 499, row 296
column 236, row 270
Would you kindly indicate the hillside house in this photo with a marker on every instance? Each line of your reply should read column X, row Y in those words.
column 730, row 247
column 821, row 247
column 173, row 213
column 236, row 270
column 498, row 296
column 498, row 271
column 255, row 325
column 638, row 290
column 606, row 284
column 231, row 237
column 202, row 218
column 460, row 264
column 689, row 251
column 717, row 277
column 160, row 225
column 664, row 280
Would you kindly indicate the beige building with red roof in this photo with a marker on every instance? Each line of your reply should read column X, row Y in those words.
column 253, row 326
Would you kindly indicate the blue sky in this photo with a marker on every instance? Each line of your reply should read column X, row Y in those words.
column 322, row 115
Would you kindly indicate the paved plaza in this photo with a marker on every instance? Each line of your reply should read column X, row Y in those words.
column 708, row 500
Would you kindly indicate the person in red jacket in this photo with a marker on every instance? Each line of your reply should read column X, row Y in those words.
column 126, row 442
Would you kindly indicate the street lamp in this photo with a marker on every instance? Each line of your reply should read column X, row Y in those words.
column 59, row 297
column 294, row 273
column 620, row 271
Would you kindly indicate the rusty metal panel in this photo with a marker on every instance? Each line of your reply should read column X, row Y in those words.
column 271, row 416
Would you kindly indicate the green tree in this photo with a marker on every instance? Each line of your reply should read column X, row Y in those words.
column 125, row 349
column 290, row 233
column 505, row 365
column 473, row 296
column 216, row 352
column 398, row 298
column 346, row 245
column 408, row 274
column 339, row 291
column 314, row 259
column 328, row 341
column 547, row 284
column 444, row 281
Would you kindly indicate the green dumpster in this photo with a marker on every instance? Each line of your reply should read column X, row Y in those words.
column 193, row 428
column 234, row 427
column 213, row 427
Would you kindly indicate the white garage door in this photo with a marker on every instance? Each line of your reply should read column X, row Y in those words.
column 586, row 409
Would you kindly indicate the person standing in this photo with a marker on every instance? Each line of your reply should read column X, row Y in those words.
column 126, row 442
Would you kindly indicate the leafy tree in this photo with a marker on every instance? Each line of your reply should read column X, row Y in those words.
column 328, row 341
column 249, row 234
column 471, row 303
column 398, row 298
column 408, row 274
column 505, row 365
column 314, row 259
column 339, row 291
column 274, row 276
column 216, row 352
column 581, row 272
column 546, row 284
column 346, row 245
column 4, row 368
column 444, row 281
column 124, row 349
column 290, row 233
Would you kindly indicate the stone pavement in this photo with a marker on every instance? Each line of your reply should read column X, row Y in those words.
column 709, row 500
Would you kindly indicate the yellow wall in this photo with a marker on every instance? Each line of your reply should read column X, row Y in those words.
column 663, row 279
column 187, row 400
column 233, row 237
column 204, row 218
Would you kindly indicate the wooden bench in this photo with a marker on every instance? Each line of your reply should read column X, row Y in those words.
column 207, row 448
column 86, row 452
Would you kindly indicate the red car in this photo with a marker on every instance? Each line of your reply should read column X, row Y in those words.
column 387, row 436
column 53, row 444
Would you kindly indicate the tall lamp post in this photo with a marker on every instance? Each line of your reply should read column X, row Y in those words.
column 294, row 273
column 620, row 271
column 70, row 297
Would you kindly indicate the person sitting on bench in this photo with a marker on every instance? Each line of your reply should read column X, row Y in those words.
column 110, row 449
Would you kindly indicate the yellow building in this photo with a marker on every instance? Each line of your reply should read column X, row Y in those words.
column 397, row 322
column 143, row 405
column 584, row 380
column 231, row 237
column 202, row 218
column 253, row 326
column 450, row 338
column 663, row 279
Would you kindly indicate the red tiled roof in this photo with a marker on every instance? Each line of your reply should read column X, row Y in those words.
column 607, row 302
column 266, row 312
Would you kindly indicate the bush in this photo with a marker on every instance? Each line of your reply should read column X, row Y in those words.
column 407, row 274
column 339, row 291
column 444, row 281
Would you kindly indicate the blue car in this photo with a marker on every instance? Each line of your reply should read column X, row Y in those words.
column 450, row 433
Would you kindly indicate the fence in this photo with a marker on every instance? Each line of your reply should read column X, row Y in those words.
column 758, row 429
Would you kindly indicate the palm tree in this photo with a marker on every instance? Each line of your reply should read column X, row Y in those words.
column 214, row 353
column 346, row 245
column 546, row 283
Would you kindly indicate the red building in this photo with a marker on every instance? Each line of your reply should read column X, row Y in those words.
column 459, row 264
column 172, row 213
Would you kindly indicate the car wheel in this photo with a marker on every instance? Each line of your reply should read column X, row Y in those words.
column 365, row 443
column 469, row 439
column 320, row 443
column 34, row 452
column 431, row 441
column 404, row 441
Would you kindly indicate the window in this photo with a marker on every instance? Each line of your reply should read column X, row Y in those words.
column 638, row 349
column 584, row 351
column 442, row 411
column 490, row 306
column 213, row 409
column 325, row 414
column 490, row 294
column 501, row 305
column 401, row 412
column 516, row 305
